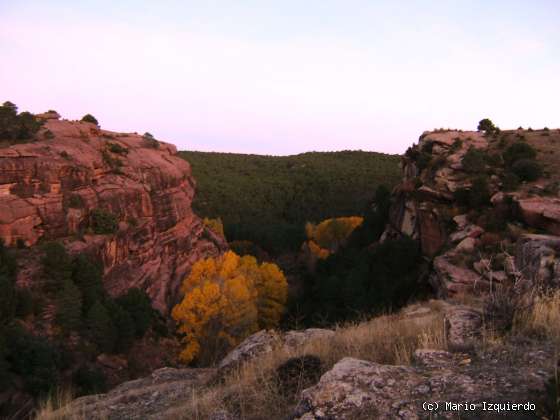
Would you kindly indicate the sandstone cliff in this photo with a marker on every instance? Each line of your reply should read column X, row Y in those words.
column 50, row 188
column 474, row 246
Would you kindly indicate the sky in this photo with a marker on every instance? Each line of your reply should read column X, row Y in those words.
column 285, row 77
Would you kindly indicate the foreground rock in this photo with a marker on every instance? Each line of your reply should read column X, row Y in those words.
column 358, row 389
column 147, row 398
column 49, row 189
column 266, row 341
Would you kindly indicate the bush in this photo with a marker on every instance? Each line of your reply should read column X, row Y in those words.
column 518, row 151
column 34, row 358
column 103, row 222
column 479, row 194
column 14, row 126
column 510, row 182
column 57, row 266
column 89, row 381
column 298, row 373
column 100, row 328
column 137, row 303
column 527, row 169
column 90, row 119
column 117, row 148
column 75, row 201
column 474, row 161
column 151, row 140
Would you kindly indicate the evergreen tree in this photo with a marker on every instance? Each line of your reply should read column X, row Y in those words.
column 101, row 328
column 57, row 266
column 7, row 284
column 124, row 326
column 69, row 307
column 137, row 303
column 88, row 277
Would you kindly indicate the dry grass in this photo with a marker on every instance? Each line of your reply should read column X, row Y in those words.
column 542, row 318
column 253, row 391
column 57, row 407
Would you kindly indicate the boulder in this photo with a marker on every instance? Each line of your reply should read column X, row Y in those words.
column 466, row 246
column 295, row 339
column 355, row 388
column 541, row 212
column 449, row 279
column 462, row 327
column 253, row 346
column 148, row 398
column 537, row 259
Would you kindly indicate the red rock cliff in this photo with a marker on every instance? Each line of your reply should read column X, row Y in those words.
column 49, row 187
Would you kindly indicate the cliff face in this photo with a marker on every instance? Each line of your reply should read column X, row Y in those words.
column 49, row 190
column 488, row 240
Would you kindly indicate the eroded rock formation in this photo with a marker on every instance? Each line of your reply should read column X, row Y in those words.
column 49, row 189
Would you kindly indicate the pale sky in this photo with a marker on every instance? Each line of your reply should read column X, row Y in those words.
column 285, row 76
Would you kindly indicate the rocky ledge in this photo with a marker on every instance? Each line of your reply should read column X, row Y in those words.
column 51, row 187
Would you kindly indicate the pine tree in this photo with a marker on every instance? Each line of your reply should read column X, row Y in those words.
column 88, row 277
column 69, row 307
column 124, row 326
column 57, row 266
column 7, row 284
column 101, row 328
column 137, row 303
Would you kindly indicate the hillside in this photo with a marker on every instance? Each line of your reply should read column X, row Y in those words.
column 268, row 199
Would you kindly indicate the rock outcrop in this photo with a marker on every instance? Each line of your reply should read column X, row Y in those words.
column 146, row 398
column 50, row 188
column 359, row 389
column 459, row 237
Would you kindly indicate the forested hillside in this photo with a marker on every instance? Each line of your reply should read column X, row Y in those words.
column 268, row 199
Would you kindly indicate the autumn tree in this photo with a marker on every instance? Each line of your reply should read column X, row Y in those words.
column 226, row 299
column 215, row 225
column 327, row 237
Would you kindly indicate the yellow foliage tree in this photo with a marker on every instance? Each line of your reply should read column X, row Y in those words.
column 226, row 299
column 214, row 225
column 326, row 237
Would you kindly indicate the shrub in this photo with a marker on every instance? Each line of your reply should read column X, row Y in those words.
column 75, row 201
column 49, row 135
column 137, row 303
column 479, row 194
column 88, row 380
column 100, row 328
column 117, row 148
column 298, row 373
column 527, row 169
column 34, row 358
column 474, row 161
column 151, row 140
column 103, row 222
column 14, row 126
column 519, row 151
column 57, row 266
column 457, row 143
column 90, row 119
column 114, row 163
column 486, row 125
column 510, row 181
